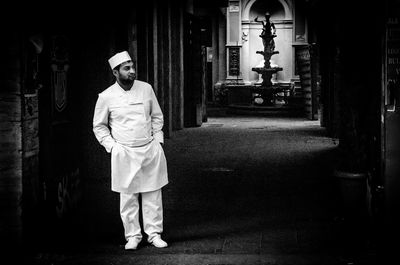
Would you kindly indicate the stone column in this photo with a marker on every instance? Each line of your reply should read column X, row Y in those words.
column 233, row 43
column 222, row 54
column 245, row 65
column 11, row 144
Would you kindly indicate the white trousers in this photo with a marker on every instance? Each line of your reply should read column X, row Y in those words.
column 152, row 212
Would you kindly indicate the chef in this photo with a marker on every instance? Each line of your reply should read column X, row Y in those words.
column 128, row 123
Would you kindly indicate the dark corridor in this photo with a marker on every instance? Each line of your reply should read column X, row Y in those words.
column 243, row 190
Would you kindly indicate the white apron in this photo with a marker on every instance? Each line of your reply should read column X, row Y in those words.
column 138, row 169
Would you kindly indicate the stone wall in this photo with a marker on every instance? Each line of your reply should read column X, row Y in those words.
column 11, row 144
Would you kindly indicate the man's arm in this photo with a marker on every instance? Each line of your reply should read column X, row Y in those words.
column 100, row 125
column 157, row 118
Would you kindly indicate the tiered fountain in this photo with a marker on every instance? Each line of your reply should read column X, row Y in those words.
column 263, row 94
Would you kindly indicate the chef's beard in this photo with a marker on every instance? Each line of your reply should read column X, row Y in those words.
column 127, row 82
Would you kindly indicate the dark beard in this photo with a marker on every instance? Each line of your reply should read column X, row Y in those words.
column 127, row 82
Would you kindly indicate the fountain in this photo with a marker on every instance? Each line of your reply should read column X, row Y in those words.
column 263, row 94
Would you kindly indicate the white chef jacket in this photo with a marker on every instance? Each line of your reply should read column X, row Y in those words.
column 129, row 126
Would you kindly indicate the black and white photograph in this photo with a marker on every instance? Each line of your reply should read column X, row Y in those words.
column 200, row 132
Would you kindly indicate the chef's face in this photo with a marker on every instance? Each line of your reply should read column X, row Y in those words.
column 126, row 73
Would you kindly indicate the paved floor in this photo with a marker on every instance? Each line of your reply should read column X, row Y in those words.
column 243, row 190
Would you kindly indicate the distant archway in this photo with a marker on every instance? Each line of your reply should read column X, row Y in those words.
column 281, row 14
column 285, row 5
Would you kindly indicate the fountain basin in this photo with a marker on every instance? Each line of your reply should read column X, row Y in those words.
column 263, row 70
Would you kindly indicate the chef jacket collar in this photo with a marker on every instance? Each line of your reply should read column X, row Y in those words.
column 120, row 90
column 123, row 94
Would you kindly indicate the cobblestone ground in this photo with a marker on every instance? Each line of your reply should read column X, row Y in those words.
column 243, row 190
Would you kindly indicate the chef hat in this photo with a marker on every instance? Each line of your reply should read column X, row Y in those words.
column 119, row 58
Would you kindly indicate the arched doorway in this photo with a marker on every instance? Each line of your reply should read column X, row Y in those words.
column 281, row 16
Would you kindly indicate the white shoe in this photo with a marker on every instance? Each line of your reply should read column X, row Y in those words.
column 159, row 243
column 132, row 243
